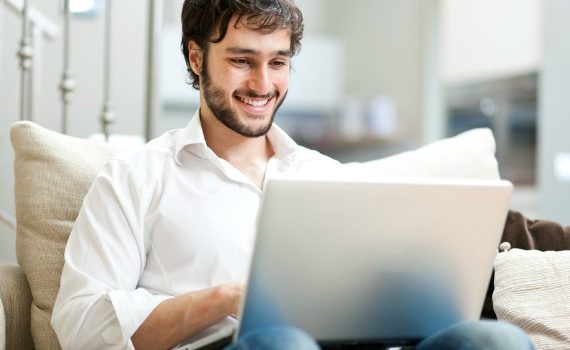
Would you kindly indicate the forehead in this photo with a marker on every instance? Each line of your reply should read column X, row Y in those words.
column 239, row 35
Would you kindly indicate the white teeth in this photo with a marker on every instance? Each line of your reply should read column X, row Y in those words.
column 255, row 103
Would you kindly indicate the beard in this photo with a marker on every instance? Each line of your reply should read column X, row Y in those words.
column 220, row 107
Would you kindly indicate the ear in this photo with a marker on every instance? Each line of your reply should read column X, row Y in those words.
column 195, row 56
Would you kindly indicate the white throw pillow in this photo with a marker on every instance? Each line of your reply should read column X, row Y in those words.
column 532, row 291
column 469, row 155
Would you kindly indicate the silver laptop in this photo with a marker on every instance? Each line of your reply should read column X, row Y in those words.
column 373, row 262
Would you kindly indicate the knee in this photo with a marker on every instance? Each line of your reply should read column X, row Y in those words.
column 276, row 338
column 505, row 333
column 479, row 335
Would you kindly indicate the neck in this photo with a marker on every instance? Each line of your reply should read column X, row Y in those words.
column 233, row 147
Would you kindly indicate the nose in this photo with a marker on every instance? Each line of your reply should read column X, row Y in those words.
column 260, row 80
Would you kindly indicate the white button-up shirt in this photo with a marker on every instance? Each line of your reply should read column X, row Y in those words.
column 161, row 221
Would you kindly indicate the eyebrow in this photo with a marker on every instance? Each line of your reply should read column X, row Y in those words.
column 246, row 51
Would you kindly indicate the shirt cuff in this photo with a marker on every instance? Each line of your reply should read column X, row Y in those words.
column 131, row 307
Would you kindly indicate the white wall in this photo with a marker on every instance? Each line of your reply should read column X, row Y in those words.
column 384, row 54
column 433, row 117
column 128, row 80
column 315, row 15
column 554, row 126
column 489, row 38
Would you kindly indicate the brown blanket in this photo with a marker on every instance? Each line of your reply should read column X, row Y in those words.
column 524, row 233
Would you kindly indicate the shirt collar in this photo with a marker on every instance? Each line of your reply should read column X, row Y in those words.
column 193, row 134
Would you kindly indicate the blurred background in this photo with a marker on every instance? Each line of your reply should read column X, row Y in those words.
column 374, row 78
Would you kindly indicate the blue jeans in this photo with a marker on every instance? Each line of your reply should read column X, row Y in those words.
column 488, row 335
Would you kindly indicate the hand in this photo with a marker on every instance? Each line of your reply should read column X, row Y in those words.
column 178, row 318
column 231, row 293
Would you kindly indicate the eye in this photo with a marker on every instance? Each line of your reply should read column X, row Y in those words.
column 239, row 61
column 280, row 64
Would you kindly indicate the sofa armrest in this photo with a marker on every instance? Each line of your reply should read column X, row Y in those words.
column 2, row 327
column 16, row 299
column 524, row 233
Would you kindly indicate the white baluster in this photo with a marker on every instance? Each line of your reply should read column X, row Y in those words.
column 153, row 62
column 1, row 39
column 26, row 54
column 108, row 113
column 67, row 83
column 35, row 73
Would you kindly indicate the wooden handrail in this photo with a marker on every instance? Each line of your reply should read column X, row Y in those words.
column 44, row 24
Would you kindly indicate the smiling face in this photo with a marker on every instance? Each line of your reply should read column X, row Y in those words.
column 244, row 78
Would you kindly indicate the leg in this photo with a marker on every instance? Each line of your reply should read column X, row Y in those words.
column 276, row 338
column 488, row 335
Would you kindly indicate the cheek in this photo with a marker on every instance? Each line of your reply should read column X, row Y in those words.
column 282, row 81
column 233, row 79
column 223, row 75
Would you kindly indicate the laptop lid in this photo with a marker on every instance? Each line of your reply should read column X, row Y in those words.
column 373, row 261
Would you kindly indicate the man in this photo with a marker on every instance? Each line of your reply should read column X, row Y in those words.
column 160, row 249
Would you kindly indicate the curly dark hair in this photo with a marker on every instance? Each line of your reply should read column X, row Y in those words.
column 202, row 18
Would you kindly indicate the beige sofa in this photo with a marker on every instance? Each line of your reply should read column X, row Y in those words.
column 53, row 173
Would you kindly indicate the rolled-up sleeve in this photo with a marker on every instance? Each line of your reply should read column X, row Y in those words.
column 99, row 304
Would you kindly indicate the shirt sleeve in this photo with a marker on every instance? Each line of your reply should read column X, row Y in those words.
column 99, row 304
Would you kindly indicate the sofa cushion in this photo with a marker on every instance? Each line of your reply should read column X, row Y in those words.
column 531, row 291
column 52, row 175
column 524, row 233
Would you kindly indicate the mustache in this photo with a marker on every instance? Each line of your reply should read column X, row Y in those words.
column 253, row 94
